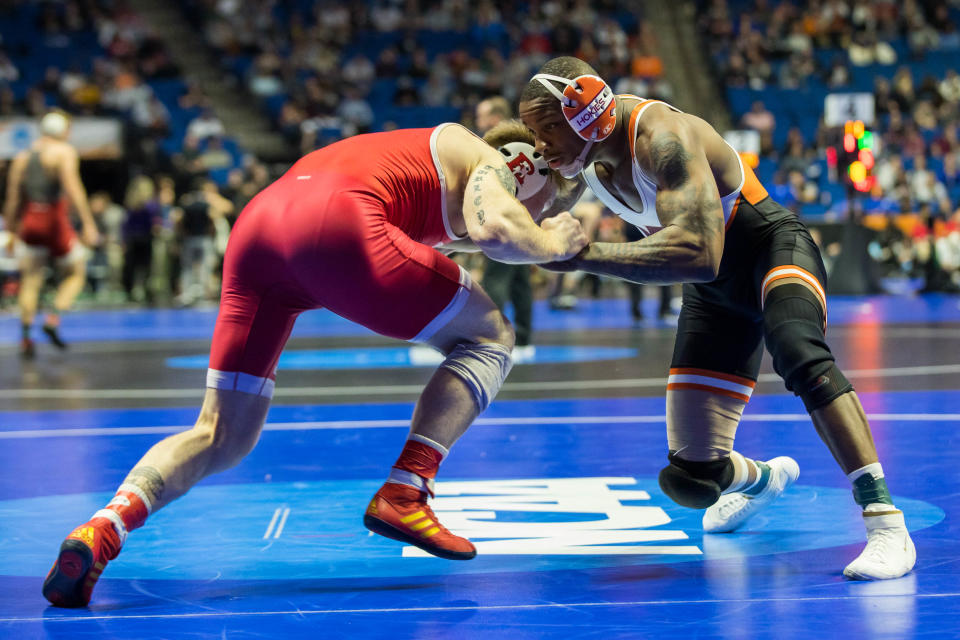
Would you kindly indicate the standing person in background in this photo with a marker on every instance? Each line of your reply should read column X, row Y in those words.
column 168, row 251
column 36, row 210
column 507, row 282
column 143, row 216
column 196, row 225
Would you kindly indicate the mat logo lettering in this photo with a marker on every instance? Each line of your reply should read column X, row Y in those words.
column 556, row 516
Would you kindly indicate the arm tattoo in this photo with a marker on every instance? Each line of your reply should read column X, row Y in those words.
column 480, row 175
column 148, row 479
column 671, row 255
column 669, row 160
column 507, row 181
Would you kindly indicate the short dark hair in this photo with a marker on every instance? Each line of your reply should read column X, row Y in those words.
column 565, row 67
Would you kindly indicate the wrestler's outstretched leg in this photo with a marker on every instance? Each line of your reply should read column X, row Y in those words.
column 227, row 429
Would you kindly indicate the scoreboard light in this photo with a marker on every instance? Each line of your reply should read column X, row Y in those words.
column 858, row 144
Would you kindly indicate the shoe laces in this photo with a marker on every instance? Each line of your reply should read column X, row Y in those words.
column 736, row 502
column 877, row 544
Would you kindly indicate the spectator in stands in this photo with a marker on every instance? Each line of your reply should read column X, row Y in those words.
column 8, row 71
column 205, row 125
column 151, row 118
column 864, row 49
column 355, row 111
column 193, row 97
column 928, row 192
column 215, row 156
column 950, row 86
column 892, row 177
column 359, row 71
column 950, row 174
column 903, row 91
column 761, row 120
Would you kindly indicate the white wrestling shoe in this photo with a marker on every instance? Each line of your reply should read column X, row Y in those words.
column 732, row 510
column 889, row 552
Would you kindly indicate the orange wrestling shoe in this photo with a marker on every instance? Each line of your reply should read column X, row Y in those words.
column 83, row 556
column 400, row 512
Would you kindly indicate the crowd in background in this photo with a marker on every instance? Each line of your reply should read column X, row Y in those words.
column 833, row 43
column 333, row 69
column 325, row 70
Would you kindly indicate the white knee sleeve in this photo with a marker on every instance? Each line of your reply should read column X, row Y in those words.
column 482, row 366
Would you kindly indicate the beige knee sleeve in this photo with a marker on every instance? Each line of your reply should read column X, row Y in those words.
column 701, row 425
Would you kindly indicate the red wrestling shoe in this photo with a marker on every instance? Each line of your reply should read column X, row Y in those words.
column 400, row 512
column 83, row 556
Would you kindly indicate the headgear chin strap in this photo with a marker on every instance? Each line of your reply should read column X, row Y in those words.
column 529, row 168
column 572, row 170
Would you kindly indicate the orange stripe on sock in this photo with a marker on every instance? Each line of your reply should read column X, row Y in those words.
column 729, row 377
column 674, row 386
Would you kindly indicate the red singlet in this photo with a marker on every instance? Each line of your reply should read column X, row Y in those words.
column 346, row 228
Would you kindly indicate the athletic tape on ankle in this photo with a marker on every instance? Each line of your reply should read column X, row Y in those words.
column 411, row 479
column 869, row 489
column 117, row 522
column 436, row 446
column 483, row 366
column 137, row 491
column 763, row 478
column 741, row 473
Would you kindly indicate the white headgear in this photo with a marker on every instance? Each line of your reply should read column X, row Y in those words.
column 529, row 168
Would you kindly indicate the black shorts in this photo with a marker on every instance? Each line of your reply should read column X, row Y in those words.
column 721, row 323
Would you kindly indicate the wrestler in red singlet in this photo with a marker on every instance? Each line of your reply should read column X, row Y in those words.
column 349, row 227
column 44, row 221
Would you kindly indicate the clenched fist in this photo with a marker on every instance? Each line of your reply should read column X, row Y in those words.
column 568, row 233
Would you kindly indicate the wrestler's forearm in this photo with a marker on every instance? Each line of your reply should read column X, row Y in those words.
column 532, row 245
column 667, row 257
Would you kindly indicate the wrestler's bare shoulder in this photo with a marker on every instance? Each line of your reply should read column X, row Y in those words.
column 460, row 152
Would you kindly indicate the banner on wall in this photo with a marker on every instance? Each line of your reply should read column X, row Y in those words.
column 94, row 138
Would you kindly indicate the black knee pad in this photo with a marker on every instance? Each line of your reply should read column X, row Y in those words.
column 696, row 485
column 793, row 324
